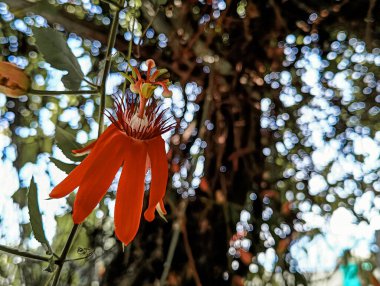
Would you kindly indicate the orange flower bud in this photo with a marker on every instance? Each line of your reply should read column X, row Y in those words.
column 13, row 80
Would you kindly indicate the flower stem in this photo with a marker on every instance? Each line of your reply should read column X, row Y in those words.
column 59, row 92
column 61, row 260
column 107, row 67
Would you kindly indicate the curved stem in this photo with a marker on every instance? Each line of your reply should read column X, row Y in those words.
column 174, row 241
column 131, row 41
column 107, row 67
column 90, row 83
column 65, row 251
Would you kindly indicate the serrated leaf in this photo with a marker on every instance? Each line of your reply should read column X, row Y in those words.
column 35, row 217
column 66, row 142
column 53, row 46
column 65, row 167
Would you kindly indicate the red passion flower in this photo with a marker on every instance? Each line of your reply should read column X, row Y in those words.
column 132, row 141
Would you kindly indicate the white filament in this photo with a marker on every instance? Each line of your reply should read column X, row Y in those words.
column 138, row 123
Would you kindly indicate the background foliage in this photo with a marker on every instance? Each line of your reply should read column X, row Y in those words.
column 277, row 105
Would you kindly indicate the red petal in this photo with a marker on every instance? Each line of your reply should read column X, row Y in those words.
column 159, row 170
column 130, row 192
column 74, row 178
column 98, row 176
column 79, row 152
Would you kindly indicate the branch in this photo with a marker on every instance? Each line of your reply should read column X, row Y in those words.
column 189, row 254
column 23, row 253
column 60, row 92
column 369, row 20
column 65, row 251
column 173, row 243
column 54, row 14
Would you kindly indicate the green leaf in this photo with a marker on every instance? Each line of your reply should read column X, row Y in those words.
column 19, row 197
column 67, row 168
column 66, row 142
column 53, row 46
column 35, row 217
column 28, row 151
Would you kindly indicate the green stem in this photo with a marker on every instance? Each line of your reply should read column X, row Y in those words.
column 90, row 83
column 131, row 42
column 23, row 253
column 174, row 241
column 129, row 53
column 107, row 67
column 59, row 92
column 64, row 253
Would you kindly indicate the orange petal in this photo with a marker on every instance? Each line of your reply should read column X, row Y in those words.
column 130, row 192
column 98, row 176
column 84, row 150
column 80, row 152
column 159, row 170
column 74, row 178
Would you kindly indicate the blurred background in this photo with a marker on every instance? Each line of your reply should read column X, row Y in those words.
column 274, row 163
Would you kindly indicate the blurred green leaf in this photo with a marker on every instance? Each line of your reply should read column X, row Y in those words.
column 26, row 230
column 67, row 168
column 28, row 152
column 52, row 44
column 35, row 216
column 66, row 142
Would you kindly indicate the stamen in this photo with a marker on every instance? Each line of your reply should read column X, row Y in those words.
column 138, row 123
column 150, row 124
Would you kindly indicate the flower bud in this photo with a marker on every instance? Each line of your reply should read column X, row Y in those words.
column 13, row 80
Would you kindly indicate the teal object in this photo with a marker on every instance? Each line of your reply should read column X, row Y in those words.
column 350, row 274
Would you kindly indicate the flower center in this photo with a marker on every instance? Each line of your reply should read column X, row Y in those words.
column 138, row 123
